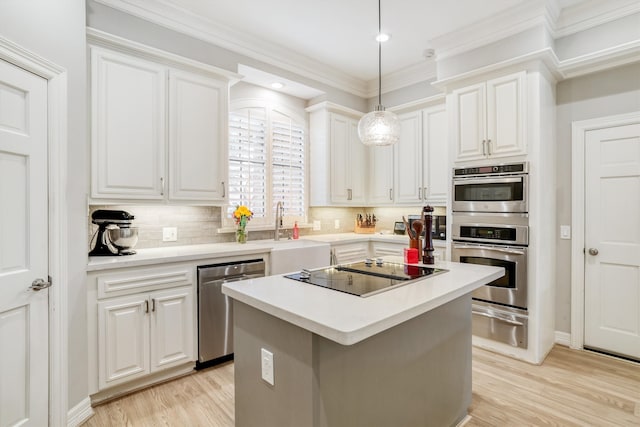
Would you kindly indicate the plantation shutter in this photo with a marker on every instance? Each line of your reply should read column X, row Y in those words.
column 287, row 165
column 248, row 161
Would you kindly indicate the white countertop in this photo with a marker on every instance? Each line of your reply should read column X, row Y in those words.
column 217, row 250
column 348, row 319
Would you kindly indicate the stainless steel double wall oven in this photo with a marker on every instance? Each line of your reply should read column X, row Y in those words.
column 491, row 227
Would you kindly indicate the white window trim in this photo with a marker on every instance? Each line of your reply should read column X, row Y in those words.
column 268, row 222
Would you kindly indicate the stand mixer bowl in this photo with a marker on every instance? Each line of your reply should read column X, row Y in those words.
column 124, row 238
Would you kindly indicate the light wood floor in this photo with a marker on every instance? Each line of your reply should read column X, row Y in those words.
column 571, row 388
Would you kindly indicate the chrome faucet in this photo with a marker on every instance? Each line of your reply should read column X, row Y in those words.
column 279, row 215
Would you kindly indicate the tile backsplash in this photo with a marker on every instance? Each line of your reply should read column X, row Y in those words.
column 200, row 224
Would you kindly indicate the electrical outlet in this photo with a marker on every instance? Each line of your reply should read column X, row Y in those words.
column 267, row 366
column 316, row 226
column 336, row 224
column 565, row 232
column 169, row 234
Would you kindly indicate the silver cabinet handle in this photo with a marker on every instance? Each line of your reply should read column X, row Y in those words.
column 484, row 147
column 146, row 306
column 349, row 194
column 391, row 194
column 488, row 146
column 500, row 318
column 424, row 193
column 153, row 304
column 419, row 193
column 224, row 191
column 593, row 251
column 40, row 284
column 161, row 186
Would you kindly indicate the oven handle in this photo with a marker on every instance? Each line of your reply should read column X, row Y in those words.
column 490, row 180
column 493, row 316
column 490, row 247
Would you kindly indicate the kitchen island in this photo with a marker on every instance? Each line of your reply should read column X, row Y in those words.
column 397, row 358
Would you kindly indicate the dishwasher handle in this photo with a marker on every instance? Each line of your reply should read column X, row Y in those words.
column 222, row 280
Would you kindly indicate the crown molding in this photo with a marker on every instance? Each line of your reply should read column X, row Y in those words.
column 532, row 60
column 527, row 15
column 416, row 73
column 419, row 103
column 100, row 38
column 332, row 107
column 589, row 14
column 623, row 54
column 162, row 12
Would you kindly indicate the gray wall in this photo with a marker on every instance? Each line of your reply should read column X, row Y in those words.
column 55, row 30
column 606, row 93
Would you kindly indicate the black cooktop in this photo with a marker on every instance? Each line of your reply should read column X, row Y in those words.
column 365, row 278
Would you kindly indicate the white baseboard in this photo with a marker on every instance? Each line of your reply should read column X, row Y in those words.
column 563, row 338
column 79, row 413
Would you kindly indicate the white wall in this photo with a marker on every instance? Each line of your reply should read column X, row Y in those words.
column 607, row 93
column 55, row 30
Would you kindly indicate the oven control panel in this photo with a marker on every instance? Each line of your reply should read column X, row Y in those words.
column 491, row 170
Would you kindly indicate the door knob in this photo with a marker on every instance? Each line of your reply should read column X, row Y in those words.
column 593, row 251
column 40, row 284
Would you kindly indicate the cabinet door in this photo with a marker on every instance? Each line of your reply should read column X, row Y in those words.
column 123, row 340
column 197, row 132
column 357, row 167
column 408, row 159
column 127, row 127
column 348, row 166
column 505, row 115
column 350, row 252
column 172, row 327
column 381, row 175
column 435, row 150
column 468, row 113
column 383, row 248
column 340, row 128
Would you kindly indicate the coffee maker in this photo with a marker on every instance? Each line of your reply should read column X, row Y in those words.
column 115, row 236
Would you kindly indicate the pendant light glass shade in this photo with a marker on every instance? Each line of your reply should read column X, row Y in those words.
column 379, row 127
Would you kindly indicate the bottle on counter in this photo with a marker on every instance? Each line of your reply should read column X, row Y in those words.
column 296, row 231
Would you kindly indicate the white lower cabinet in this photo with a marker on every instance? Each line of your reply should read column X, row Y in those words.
column 380, row 249
column 349, row 252
column 343, row 253
column 144, row 333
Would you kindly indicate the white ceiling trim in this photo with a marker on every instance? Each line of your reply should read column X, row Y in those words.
column 601, row 60
column 170, row 16
column 585, row 15
column 513, row 21
column 413, row 74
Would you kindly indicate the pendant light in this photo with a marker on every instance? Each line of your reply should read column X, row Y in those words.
column 379, row 127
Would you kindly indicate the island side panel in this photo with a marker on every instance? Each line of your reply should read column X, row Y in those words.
column 289, row 401
column 415, row 374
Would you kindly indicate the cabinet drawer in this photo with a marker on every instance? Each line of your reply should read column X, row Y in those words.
column 351, row 252
column 140, row 280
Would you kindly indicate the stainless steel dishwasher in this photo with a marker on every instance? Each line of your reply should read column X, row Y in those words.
column 215, row 310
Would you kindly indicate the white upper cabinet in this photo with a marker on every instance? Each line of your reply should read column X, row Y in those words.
column 197, row 129
column 128, row 127
column 381, row 169
column 488, row 119
column 337, row 159
column 157, row 133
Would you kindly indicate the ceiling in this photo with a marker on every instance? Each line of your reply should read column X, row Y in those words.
column 341, row 33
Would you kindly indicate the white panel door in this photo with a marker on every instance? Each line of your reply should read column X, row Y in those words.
column 408, row 159
column 469, row 122
column 172, row 328
column 123, row 339
column 505, row 115
column 24, row 321
column 197, row 130
column 612, row 240
column 128, row 135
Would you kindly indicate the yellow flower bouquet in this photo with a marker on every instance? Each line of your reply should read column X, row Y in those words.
column 241, row 216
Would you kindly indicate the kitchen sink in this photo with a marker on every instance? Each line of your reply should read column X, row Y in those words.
column 289, row 256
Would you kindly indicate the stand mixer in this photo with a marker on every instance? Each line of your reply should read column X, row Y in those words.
column 115, row 236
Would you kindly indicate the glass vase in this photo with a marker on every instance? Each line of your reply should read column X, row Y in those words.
column 241, row 235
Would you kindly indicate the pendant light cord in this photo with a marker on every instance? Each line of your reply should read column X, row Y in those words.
column 379, row 56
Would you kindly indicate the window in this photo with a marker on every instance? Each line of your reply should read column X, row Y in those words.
column 266, row 162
